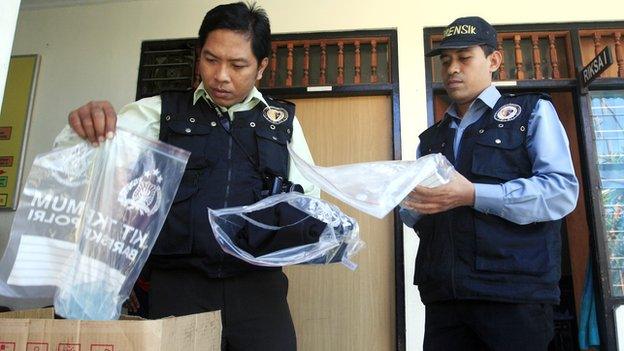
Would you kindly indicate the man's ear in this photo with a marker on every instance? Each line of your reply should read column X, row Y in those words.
column 495, row 59
column 261, row 67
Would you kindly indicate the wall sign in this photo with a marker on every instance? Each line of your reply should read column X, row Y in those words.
column 14, row 124
column 597, row 65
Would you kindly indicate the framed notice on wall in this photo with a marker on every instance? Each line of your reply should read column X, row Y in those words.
column 14, row 125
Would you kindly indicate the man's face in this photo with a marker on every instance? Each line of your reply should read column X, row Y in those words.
column 228, row 66
column 467, row 72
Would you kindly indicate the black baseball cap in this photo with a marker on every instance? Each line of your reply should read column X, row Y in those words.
column 465, row 32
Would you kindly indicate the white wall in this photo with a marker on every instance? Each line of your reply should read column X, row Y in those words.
column 92, row 52
column 8, row 18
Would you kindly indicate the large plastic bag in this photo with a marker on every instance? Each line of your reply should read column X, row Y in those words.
column 86, row 222
column 376, row 187
column 286, row 229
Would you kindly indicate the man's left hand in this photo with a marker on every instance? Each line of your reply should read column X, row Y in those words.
column 459, row 191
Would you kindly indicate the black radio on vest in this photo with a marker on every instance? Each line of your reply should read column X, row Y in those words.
column 277, row 184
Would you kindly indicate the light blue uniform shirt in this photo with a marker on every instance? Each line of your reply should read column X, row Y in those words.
column 549, row 194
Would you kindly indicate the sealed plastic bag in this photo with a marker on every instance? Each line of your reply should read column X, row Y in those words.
column 376, row 187
column 87, row 220
column 286, row 229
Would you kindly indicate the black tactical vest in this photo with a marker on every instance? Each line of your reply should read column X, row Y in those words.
column 467, row 254
column 226, row 168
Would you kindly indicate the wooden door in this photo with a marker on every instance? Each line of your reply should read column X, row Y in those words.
column 334, row 308
column 576, row 225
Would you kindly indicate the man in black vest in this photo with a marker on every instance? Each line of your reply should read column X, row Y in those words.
column 488, row 262
column 237, row 138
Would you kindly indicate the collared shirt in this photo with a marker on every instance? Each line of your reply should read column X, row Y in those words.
column 549, row 194
column 143, row 118
column 486, row 100
column 250, row 101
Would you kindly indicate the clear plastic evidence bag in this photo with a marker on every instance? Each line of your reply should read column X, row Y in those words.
column 286, row 229
column 292, row 228
column 86, row 222
column 377, row 187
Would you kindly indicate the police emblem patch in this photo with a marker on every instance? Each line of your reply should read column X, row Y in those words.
column 508, row 112
column 143, row 194
column 275, row 115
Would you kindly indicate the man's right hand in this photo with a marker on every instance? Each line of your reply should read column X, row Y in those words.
column 132, row 304
column 94, row 121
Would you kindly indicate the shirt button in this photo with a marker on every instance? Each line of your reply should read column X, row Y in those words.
column 252, row 124
column 188, row 130
column 168, row 118
column 213, row 123
column 501, row 125
column 272, row 126
column 481, row 131
column 192, row 120
column 443, row 144
column 497, row 141
column 522, row 128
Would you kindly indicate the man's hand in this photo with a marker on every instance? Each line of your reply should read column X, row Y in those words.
column 94, row 121
column 459, row 191
column 132, row 304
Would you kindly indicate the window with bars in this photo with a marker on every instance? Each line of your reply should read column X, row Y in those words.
column 607, row 111
column 167, row 65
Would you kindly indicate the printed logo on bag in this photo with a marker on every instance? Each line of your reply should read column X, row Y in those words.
column 7, row 346
column 68, row 347
column 36, row 346
column 275, row 115
column 143, row 194
column 75, row 167
column 508, row 112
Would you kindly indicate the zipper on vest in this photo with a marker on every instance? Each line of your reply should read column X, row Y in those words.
column 225, row 201
column 229, row 174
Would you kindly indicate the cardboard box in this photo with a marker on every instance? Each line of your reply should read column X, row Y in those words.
column 37, row 330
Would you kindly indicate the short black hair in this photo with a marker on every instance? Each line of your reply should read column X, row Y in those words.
column 487, row 50
column 247, row 18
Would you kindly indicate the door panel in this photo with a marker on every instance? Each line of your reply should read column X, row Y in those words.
column 334, row 308
column 576, row 222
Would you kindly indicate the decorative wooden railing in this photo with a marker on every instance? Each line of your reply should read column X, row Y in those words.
column 301, row 62
column 544, row 55
column 593, row 41
column 335, row 61
column 548, row 55
column 529, row 55
column 365, row 60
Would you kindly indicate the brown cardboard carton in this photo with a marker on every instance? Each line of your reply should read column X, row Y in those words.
column 37, row 330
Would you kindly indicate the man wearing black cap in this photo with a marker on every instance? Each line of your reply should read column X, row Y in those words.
column 488, row 262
